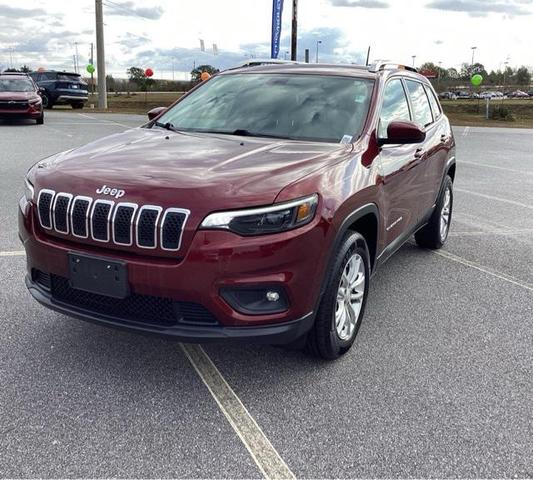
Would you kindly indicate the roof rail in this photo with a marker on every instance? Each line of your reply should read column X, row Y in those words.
column 383, row 64
column 254, row 62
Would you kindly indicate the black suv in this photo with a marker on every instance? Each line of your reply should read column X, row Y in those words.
column 61, row 88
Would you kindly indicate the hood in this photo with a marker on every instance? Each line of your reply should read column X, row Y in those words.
column 189, row 170
column 18, row 95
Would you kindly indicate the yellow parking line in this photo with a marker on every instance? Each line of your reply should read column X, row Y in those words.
column 262, row 451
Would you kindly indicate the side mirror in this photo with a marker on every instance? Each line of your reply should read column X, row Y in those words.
column 403, row 132
column 40, row 90
column 155, row 112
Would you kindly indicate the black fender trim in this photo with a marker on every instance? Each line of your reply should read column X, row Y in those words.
column 369, row 208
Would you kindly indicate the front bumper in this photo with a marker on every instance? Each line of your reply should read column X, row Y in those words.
column 28, row 113
column 282, row 333
column 213, row 261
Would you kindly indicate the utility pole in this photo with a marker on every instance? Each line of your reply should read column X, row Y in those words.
column 438, row 76
column 414, row 58
column 368, row 56
column 100, row 55
column 77, row 63
column 92, row 63
column 294, row 35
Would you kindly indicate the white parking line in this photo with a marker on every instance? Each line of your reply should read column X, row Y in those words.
column 101, row 120
column 481, row 268
column 466, row 131
column 486, row 165
column 14, row 253
column 492, row 197
column 62, row 132
column 490, row 232
column 264, row 454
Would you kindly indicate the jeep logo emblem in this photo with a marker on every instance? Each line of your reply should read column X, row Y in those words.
column 114, row 192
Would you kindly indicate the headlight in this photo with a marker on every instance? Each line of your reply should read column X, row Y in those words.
column 259, row 221
column 35, row 101
column 28, row 190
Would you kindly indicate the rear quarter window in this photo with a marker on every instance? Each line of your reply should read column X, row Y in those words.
column 435, row 105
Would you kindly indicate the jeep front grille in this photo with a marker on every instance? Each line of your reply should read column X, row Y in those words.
column 124, row 224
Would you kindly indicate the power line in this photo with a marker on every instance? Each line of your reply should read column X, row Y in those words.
column 113, row 5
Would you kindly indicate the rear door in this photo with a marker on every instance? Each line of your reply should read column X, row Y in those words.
column 399, row 166
column 433, row 151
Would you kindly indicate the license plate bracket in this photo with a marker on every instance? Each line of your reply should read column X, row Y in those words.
column 98, row 275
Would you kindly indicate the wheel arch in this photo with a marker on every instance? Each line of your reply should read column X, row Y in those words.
column 365, row 221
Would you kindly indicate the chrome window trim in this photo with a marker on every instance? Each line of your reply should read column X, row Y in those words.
column 117, row 206
column 106, row 202
column 67, row 219
column 53, row 193
column 137, row 220
column 87, row 215
column 173, row 210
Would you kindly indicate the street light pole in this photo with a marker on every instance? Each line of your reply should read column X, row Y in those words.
column 100, row 55
column 318, row 42
column 414, row 58
column 473, row 51
column 438, row 76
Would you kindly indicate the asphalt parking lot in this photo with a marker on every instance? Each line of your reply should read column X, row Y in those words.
column 439, row 384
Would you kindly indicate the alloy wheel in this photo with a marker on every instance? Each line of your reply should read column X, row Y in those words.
column 350, row 295
column 445, row 214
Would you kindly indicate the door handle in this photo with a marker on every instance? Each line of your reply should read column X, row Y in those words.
column 419, row 153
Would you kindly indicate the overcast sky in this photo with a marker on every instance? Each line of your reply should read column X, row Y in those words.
column 163, row 34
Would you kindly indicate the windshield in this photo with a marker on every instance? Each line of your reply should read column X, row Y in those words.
column 16, row 85
column 301, row 107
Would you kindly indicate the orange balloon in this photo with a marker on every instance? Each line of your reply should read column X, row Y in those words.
column 205, row 76
column 41, row 69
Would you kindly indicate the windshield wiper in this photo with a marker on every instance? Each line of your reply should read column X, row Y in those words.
column 167, row 126
column 242, row 132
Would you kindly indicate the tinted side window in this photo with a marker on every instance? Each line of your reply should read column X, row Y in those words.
column 435, row 106
column 395, row 106
column 48, row 76
column 419, row 100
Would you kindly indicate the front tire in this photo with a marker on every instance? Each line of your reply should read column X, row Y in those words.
column 342, row 306
column 435, row 233
column 40, row 120
column 47, row 102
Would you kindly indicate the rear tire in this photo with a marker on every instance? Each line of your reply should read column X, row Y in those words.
column 342, row 306
column 77, row 106
column 435, row 233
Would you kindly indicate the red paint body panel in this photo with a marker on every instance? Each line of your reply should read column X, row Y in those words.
column 206, row 173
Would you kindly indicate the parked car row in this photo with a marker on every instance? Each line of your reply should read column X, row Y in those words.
column 464, row 94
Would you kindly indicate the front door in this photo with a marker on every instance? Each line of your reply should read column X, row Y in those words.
column 400, row 167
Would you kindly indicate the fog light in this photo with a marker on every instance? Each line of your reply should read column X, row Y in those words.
column 256, row 300
column 272, row 296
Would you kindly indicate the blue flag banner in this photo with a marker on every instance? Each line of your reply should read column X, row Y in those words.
column 277, row 11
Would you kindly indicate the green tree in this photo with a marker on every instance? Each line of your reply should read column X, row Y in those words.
column 522, row 76
column 197, row 72
column 25, row 69
column 137, row 76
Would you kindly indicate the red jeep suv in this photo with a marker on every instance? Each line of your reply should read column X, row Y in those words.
column 256, row 207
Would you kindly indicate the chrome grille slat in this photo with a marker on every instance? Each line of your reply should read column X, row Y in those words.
column 146, row 226
column 79, row 216
column 124, row 224
column 172, row 227
column 100, row 219
column 61, row 212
